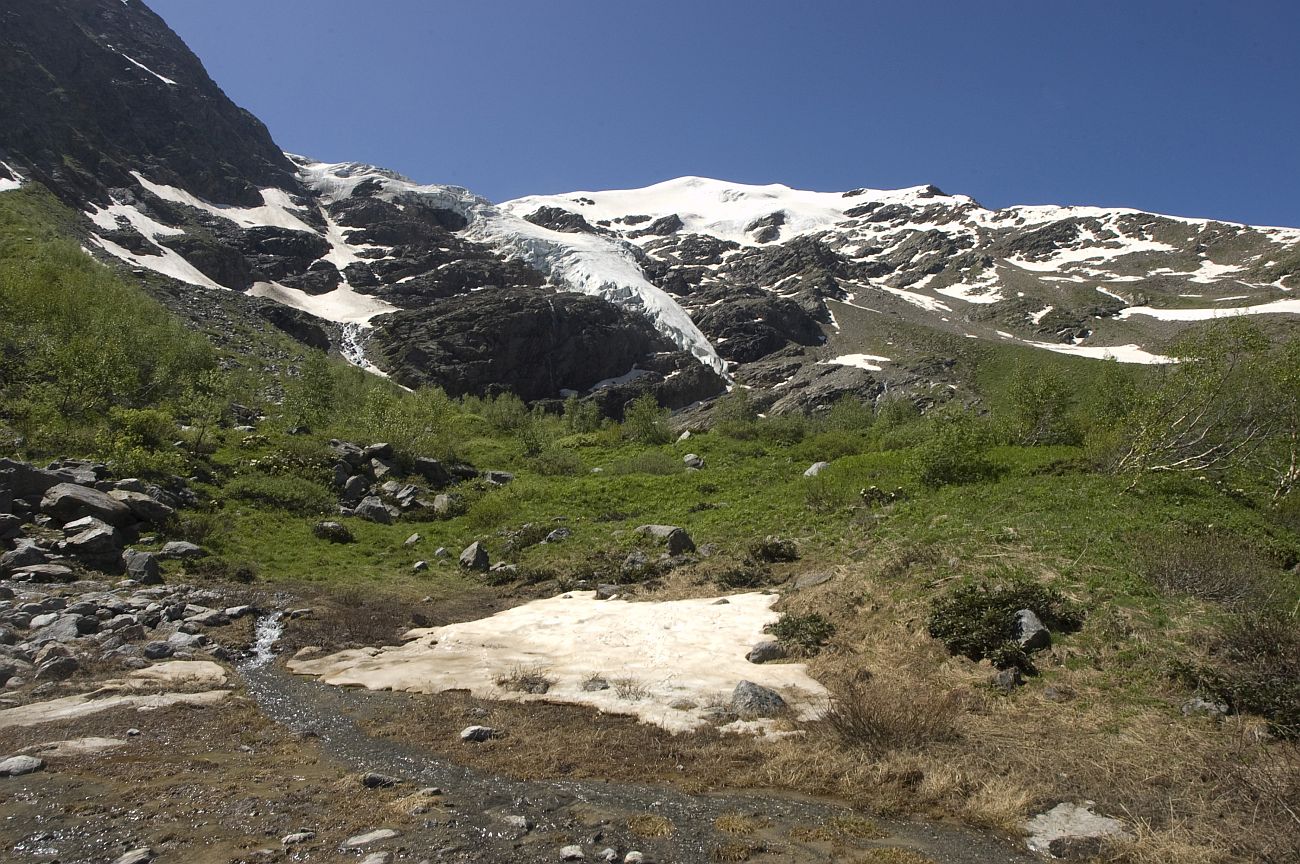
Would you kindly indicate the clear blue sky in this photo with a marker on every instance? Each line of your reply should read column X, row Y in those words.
column 1185, row 107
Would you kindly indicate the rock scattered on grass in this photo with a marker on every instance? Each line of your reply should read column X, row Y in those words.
column 477, row 734
column 18, row 766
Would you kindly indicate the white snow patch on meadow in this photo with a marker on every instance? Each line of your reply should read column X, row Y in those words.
column 1277, row 307
column 661, row 652
column 13, row 181
column 868, row 362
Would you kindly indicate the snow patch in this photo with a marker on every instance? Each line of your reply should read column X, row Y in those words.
column 342, row 305
column 163, row 78
column 1277, row 307
column 13, row 181
column 652, row 654
column 862, row 361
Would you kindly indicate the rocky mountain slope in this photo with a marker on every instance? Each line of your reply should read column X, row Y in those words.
column 689, row 283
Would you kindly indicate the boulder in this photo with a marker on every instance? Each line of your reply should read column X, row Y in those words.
column 765, row 651
column 142, row 506
column 750, row 701
column 136, row 856
column 1007, row 680
column 22, row 556
column 475, row 557
column 373, row 509
column 57, row 669
column 1033, row 635
column 558, row 535
column 334, row 532
column 99, row 542
column 10, row 527
column 413, row 540
column 355, row 488
column 816, row 468
column 692, row 460
column 358, row 840
column 433, row 472
column 572, row 853
column 675, row 538
column 142, row 567
column 477, row 734
column 68, row 501
column 183, row 550
column 17, row 766
column 44, row 574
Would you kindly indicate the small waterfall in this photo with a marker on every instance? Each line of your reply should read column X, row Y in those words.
column 267, row 632
column 352, row 346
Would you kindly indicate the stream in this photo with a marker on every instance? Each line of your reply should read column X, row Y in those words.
column 478, row 803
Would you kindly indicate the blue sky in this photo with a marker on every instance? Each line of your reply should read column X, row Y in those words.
column 1190, row 108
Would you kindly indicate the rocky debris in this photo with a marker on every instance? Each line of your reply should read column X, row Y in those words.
column 675, row 538
column 475, row 557
column 765, row 652
column 1033, row 636
column 816, row 468
column 297, row 838
column 751, row 701
column 334, row 532
column 477, row 734
column 17, row 766
column 378, row 858
column 1073, row 831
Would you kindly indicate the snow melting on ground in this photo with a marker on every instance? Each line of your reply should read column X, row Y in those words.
column 653, row 655
column 342, row 305
column 13, row 181
column 580, row 263
column 1119, row 353
column 1277, row 307
column 868, row 362
column 277, row 210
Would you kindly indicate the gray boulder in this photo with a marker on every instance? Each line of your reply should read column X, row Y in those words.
column 675, row 538
column 44, row 574
column 477, row 734
column 816, row 468
column 142, row 567
column 355, row 488
column 24, row 554
column 751, row 701
column 67, row 501
column 475, row 557
column 142, row 506
column 693, row 460
column 57, row 669
column 183, row 550
column 17, row 766
column 10, row 527
column 373, row 509
column 334, row 532
column 1033, row 635
column 765, row 652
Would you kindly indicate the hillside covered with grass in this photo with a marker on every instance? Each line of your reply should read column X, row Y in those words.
column 1147, row 515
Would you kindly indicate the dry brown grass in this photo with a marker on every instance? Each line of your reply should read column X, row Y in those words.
column 893, row 855
column 884, row 715
column 740, row 851
column 733, row 822
column 650, row 825
column 838, row 830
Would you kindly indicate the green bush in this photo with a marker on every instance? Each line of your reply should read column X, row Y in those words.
column 555, row 461
column 955, row 452
column 580, row 416
column 804, row 633
column 284, row 492
column 649, row 462
column 1256, row 669
column 645, row 422
column 978, row 620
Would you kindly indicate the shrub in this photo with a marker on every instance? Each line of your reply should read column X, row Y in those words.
column 646, row 422
column 1256, row 669
column 285, row 492
column 978, row 620
column 492, row 509
column 1208, row 567
column 774, row 549
column 850, row 414
column 558, row 462
column 735, row 415
column 805, row 633
column 649, row 462
column 956, row 451
column 880, row 717
column 581, row 417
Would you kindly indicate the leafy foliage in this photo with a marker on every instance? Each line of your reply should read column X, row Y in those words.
column 978, row 619
column 806, row 633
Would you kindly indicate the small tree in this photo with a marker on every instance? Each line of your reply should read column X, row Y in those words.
column 1041, row 407
column 580, row 416
column 1207, row 412
column 956, row 450
column 645, row 421
column 309, row 398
